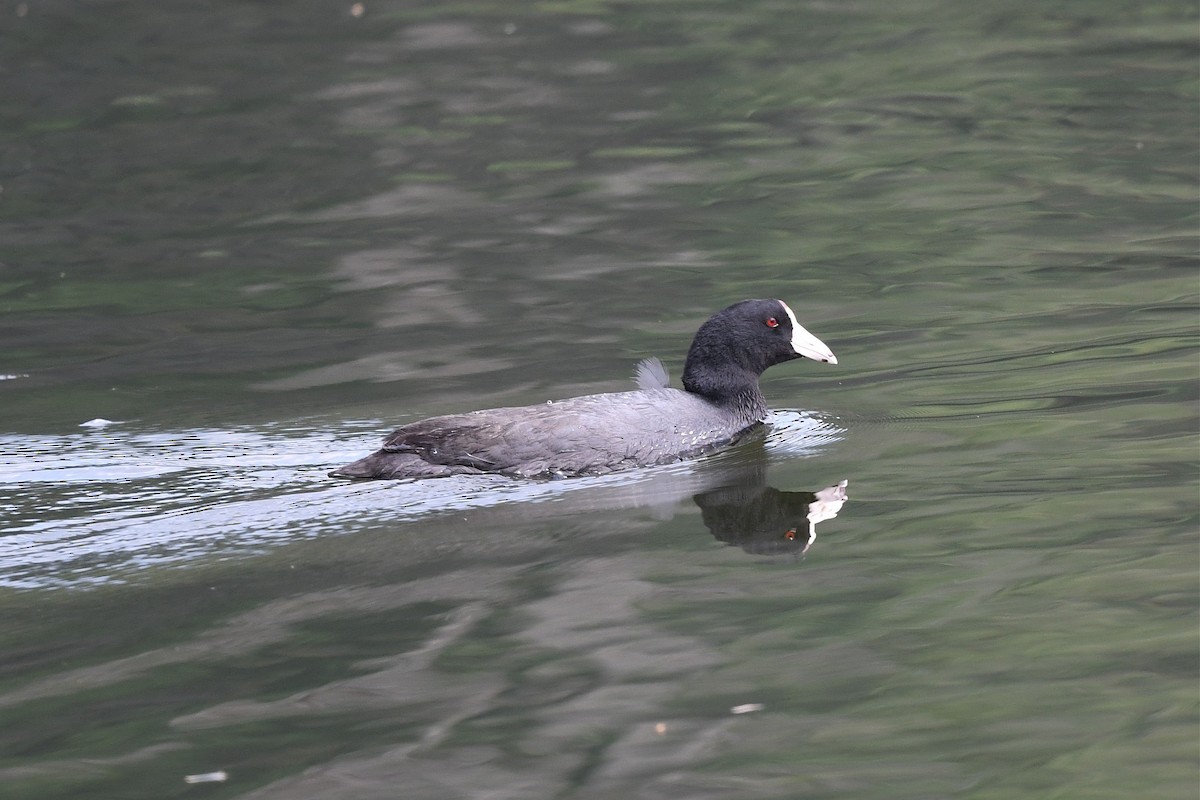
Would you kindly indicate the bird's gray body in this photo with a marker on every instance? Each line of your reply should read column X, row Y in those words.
column 589, row 435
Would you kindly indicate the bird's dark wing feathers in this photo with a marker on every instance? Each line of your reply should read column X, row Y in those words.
column 579, row 435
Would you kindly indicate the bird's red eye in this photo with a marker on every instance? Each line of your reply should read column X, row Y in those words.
column 790, row 535
column 772, row 322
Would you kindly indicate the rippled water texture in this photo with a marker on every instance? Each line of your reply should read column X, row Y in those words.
column 114, row 503
column 240, row 242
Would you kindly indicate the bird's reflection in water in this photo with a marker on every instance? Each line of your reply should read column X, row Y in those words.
column 763, row 520
column 730, row 488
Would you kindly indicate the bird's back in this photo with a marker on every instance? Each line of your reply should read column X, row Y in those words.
column 587, row 435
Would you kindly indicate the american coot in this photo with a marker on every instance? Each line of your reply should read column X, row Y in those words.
column 601, row 433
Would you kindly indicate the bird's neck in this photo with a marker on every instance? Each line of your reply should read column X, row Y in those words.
column 733, row 388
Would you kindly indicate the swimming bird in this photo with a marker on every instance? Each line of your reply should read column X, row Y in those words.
column 600, row 433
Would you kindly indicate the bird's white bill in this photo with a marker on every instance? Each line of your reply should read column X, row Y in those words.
column 807, row 345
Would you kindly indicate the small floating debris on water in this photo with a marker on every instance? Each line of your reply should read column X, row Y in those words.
column 219, row 776
column 12, row 376
column 660, row 728
column 746, row 708
column 98, row 422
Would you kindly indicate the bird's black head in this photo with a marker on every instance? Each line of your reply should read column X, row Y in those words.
column 738, row 343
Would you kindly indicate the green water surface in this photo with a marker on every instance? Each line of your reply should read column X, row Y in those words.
column 254, row 237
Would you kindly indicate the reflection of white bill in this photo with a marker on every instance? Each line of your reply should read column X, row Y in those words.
column 827, row 504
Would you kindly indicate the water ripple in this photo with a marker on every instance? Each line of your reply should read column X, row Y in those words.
column 100, row 505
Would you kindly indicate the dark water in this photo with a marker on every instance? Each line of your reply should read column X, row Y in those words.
column 254, row 236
